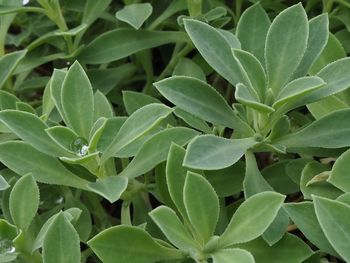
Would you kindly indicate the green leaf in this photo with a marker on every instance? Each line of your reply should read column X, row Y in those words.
column 252, row 218
column 61, row 243
column 243, row 95
column 135, row 100
column 8, row 64
column 333, row 218
column 186, row 67
column 200, row 99
column 176, row 176
column 255, row 73
column 56, row 83
column 94, row 10
column 78, row 100
column 215, row 49
column 290, row 249
column 31, row 129
column 209, row 152
column 62, row 136
column 135, row 126
column 252, row 30
column 155, row 150
column 120, row 43
column 337, row 77
column 135, row 14
column 102, row 107
column 24, row 201
column 303, row 215
column 233, row 255
column 192, row 120
column 288, row 34
column 23, row 159
column 322, row 188
column 111, row 187
column 318, row 36
column 115, row 243
column 227, row 181
column 339, row 175
column 202, row 205
column 167, row 220
column 332, row 132
column 3, row 183
column 7, row 100
column 327, row 105
column 296, row 89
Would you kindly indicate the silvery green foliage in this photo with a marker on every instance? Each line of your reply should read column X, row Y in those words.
column 148, row 140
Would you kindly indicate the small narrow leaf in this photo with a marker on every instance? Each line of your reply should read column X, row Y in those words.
column 288, row 34
column 244, row 96
column 77, row 100
column 296, row 89
column 24, row 201
column 61, row 243
column 31, row 129
column 167, row 220
column 202, row 205
column 209, row 152
column 8, row 64
column 252, row 218
column 331, row 132
column 135, row 14
column 130, row 244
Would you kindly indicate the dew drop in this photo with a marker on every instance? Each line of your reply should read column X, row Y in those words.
column 59, row 200
column 6, row 247
column 25, row 2
column 80, row 146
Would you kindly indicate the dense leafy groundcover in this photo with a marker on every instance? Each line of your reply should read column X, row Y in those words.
column 174, row 131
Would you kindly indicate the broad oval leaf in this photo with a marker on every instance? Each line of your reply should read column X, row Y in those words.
column 202, row 100
column 233, row 255
column 120, row 43
column 202, row 206
column 252, row 30
column 303, row 215
column 135, row 126
column 252, row 218
column 78, row 100
column 209, row 152
column 215, row 49
column 135, row 14
column 24, row 201
column 110, row 187
column 340, row 172
column 333, row 218
column 61, row 242
column 167, row 220
column 130, row 245
column 288, row 34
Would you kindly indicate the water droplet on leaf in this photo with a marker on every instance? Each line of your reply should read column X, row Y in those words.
column 80, row 146
column 6, row 247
